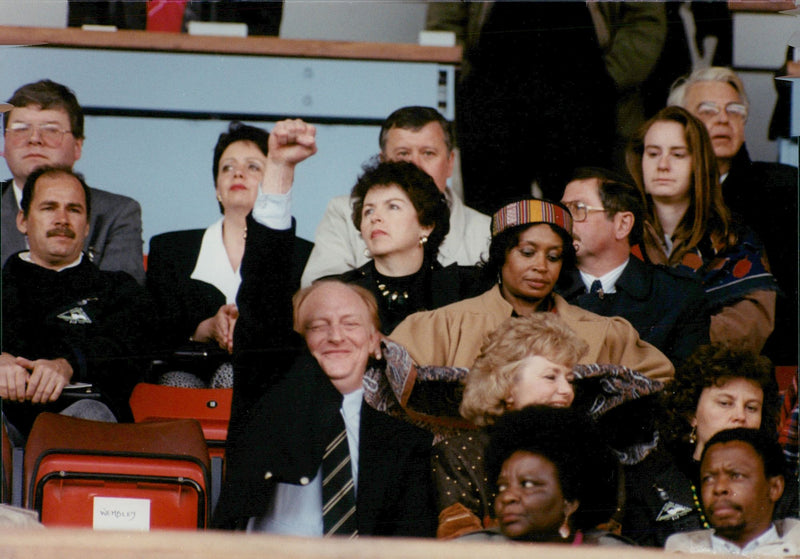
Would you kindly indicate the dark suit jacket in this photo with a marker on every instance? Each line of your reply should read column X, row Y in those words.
column 282, row 402
column 667, row 308
column 115, row 231
column 765, row 196
column 183, row 302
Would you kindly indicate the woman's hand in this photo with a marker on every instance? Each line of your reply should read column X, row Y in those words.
column 218, row 328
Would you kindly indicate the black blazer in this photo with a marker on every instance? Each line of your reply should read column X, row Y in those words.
column 183, row 302
column 666, row 307
column 282, row 402
column 765, row 196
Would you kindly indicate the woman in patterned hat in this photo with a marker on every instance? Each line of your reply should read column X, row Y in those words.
column 531, row 239
column 688, row 226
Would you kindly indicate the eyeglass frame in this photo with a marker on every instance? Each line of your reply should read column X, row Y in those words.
column 574, row 206
column 15, row 128
column 713, row 109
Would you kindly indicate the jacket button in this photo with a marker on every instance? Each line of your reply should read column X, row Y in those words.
column 304, row 480
column 267, row 475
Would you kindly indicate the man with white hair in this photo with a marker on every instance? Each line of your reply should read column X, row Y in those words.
column 763, row 194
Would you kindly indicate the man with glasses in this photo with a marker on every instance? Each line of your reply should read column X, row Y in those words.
column 763, row 194
column 424, row 137
column 45, row 127
column 666, row 307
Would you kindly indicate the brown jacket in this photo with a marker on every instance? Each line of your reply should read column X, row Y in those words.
column 453, row 335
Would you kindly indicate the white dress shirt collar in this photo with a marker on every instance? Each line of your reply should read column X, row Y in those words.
column 213, row 266
column 608, row 280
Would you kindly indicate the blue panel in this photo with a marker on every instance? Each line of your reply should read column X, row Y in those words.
column 225, row 83
column 166, row 165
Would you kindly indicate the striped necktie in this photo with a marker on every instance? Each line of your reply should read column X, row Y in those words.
column 338, row 491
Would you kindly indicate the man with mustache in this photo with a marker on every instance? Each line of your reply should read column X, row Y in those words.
column 763, row 194
column 741, row 479
column 666, row 307
column 64, row 320
column 44, row 126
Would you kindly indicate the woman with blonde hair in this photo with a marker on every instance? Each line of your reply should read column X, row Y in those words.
column 535, row 352
column 688, row 226
column 527, row 361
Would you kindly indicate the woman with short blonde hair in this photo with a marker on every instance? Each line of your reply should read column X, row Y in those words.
column 506, row 351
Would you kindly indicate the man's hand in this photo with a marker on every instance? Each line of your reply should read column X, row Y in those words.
column 219, row 327
column 13, row 378
column 48, row 377
column 290, row 142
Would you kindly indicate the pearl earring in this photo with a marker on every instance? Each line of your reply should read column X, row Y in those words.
column 367, row 253
column 422, row 240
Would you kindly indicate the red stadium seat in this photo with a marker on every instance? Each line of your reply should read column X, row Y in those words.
column 70, row 463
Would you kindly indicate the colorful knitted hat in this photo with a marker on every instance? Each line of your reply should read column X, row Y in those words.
column 531, row 211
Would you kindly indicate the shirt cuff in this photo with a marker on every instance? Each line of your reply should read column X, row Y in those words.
column 274, row 210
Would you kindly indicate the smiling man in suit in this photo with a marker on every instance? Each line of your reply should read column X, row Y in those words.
column 45, row 127
column 306, row 454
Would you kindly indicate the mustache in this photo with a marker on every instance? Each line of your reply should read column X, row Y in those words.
column 61, row 231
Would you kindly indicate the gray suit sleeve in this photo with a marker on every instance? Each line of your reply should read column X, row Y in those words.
column 116, row 238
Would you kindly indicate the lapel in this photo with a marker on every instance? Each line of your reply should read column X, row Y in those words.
column 377, row 465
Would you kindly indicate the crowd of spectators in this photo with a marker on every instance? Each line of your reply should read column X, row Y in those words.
column 590, row 366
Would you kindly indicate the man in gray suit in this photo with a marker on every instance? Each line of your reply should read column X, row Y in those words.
column 45, row 127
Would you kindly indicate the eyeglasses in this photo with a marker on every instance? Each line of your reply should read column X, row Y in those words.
column 709, row 109
column 580, row 211
column 51, row 135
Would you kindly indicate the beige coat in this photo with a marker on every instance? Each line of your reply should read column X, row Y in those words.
column 453, row 335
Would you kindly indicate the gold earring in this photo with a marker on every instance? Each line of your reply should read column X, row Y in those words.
column 219, row 198
column 693, row 435
column 564, row 530
column 422, row 240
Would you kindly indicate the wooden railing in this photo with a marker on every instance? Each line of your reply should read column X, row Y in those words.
column 85, row 544
column 263, row 46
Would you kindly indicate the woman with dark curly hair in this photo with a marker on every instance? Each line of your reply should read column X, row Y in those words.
column 555, row 479
column 403, row 219
column 719, row 387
